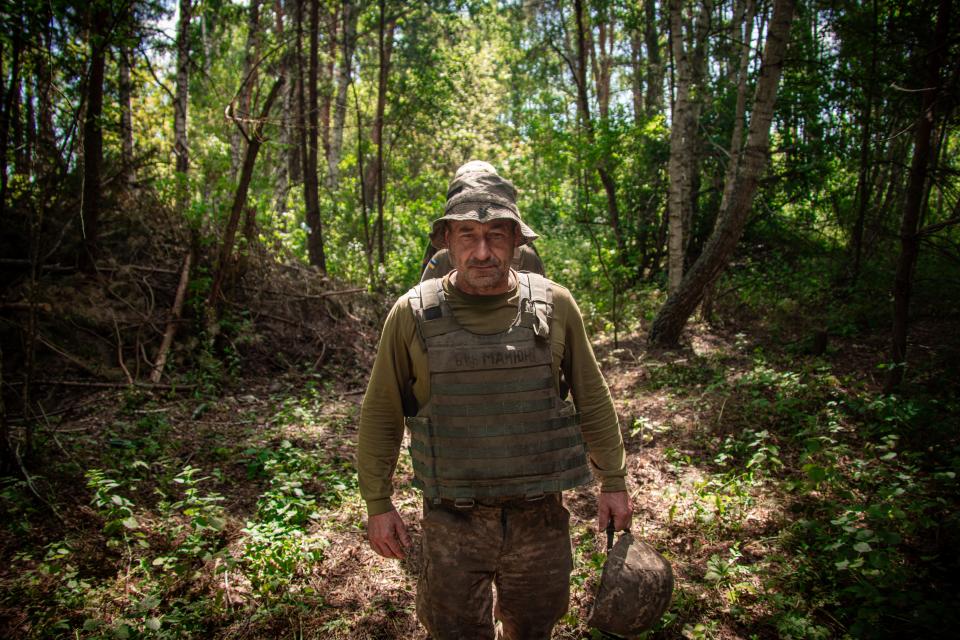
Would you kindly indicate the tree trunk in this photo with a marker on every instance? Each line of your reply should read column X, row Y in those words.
column 350, row 13
column 912, row 206
column 93, row 139
column 636, row 73
column 254, row 139
column 326, row 82
column 10, row 102
column 311, row 195
column 602, row 50
column 249, row 74
column 286, row 147
column 680, row 151
column 48, row 153
column 174, row 319
column 583, row 107
column 374, row 181
column 680, row 305
column 655, row 68
column 180, row 142
column 126, row 115
column 699, row 89
column 745, row 36
column 736, row 139
column 301, row 96
column 863, row 192
column 364, row 208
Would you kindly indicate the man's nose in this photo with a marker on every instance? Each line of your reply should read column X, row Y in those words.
column 482, row 251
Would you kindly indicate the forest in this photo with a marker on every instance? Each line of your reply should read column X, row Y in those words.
column 208, row 207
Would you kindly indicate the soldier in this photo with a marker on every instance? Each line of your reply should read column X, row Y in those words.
column 475, row 359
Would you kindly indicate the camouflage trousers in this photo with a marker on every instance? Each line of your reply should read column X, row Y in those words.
column 522, row 548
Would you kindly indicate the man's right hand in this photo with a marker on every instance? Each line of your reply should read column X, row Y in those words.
column 387, row 534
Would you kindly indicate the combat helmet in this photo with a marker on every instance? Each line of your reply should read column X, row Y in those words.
column 635, row 589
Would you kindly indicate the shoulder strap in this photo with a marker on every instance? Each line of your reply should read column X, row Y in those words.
column 431, row 311
column 536, row 303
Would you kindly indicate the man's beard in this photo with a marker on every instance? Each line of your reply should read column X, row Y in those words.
column 487, row 278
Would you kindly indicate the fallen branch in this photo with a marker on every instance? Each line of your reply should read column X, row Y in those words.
column 69, row 356
column 171, row 329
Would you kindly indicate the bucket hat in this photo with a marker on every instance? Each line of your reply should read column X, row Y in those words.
column 478, row 192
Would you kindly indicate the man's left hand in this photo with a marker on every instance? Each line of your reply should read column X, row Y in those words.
column 616, row 505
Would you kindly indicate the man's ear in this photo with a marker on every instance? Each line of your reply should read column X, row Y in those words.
column 517, row 236
column 445, row 237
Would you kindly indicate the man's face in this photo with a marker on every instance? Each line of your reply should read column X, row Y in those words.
column 481, row 253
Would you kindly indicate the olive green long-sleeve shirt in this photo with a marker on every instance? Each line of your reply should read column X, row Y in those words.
column 401, row 357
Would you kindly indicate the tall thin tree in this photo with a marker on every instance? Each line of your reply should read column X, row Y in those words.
column 913, row 203
column 311, row 195
column 680, row 305
column 180, row 141
column 90, row 198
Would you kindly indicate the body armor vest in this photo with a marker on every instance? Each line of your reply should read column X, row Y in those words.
column 494, row 425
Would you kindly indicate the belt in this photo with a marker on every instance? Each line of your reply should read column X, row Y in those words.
column 510, row 501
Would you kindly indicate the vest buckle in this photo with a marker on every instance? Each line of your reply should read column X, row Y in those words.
column 464, row 503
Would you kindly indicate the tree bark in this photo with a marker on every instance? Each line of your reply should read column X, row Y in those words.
column 680, row 150
column 912, row 206
column 311, row 195
column 93, row 139
column 180, row 141
column 680, row 305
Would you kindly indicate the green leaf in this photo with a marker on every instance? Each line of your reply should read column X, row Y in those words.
column 862, row 547
column 816, row 473
column 130, row 523
column 153, row 624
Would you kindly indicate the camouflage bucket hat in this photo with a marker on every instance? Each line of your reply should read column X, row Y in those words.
column 478, row 192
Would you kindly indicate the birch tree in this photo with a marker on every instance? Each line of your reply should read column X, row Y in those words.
column 732, row 218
